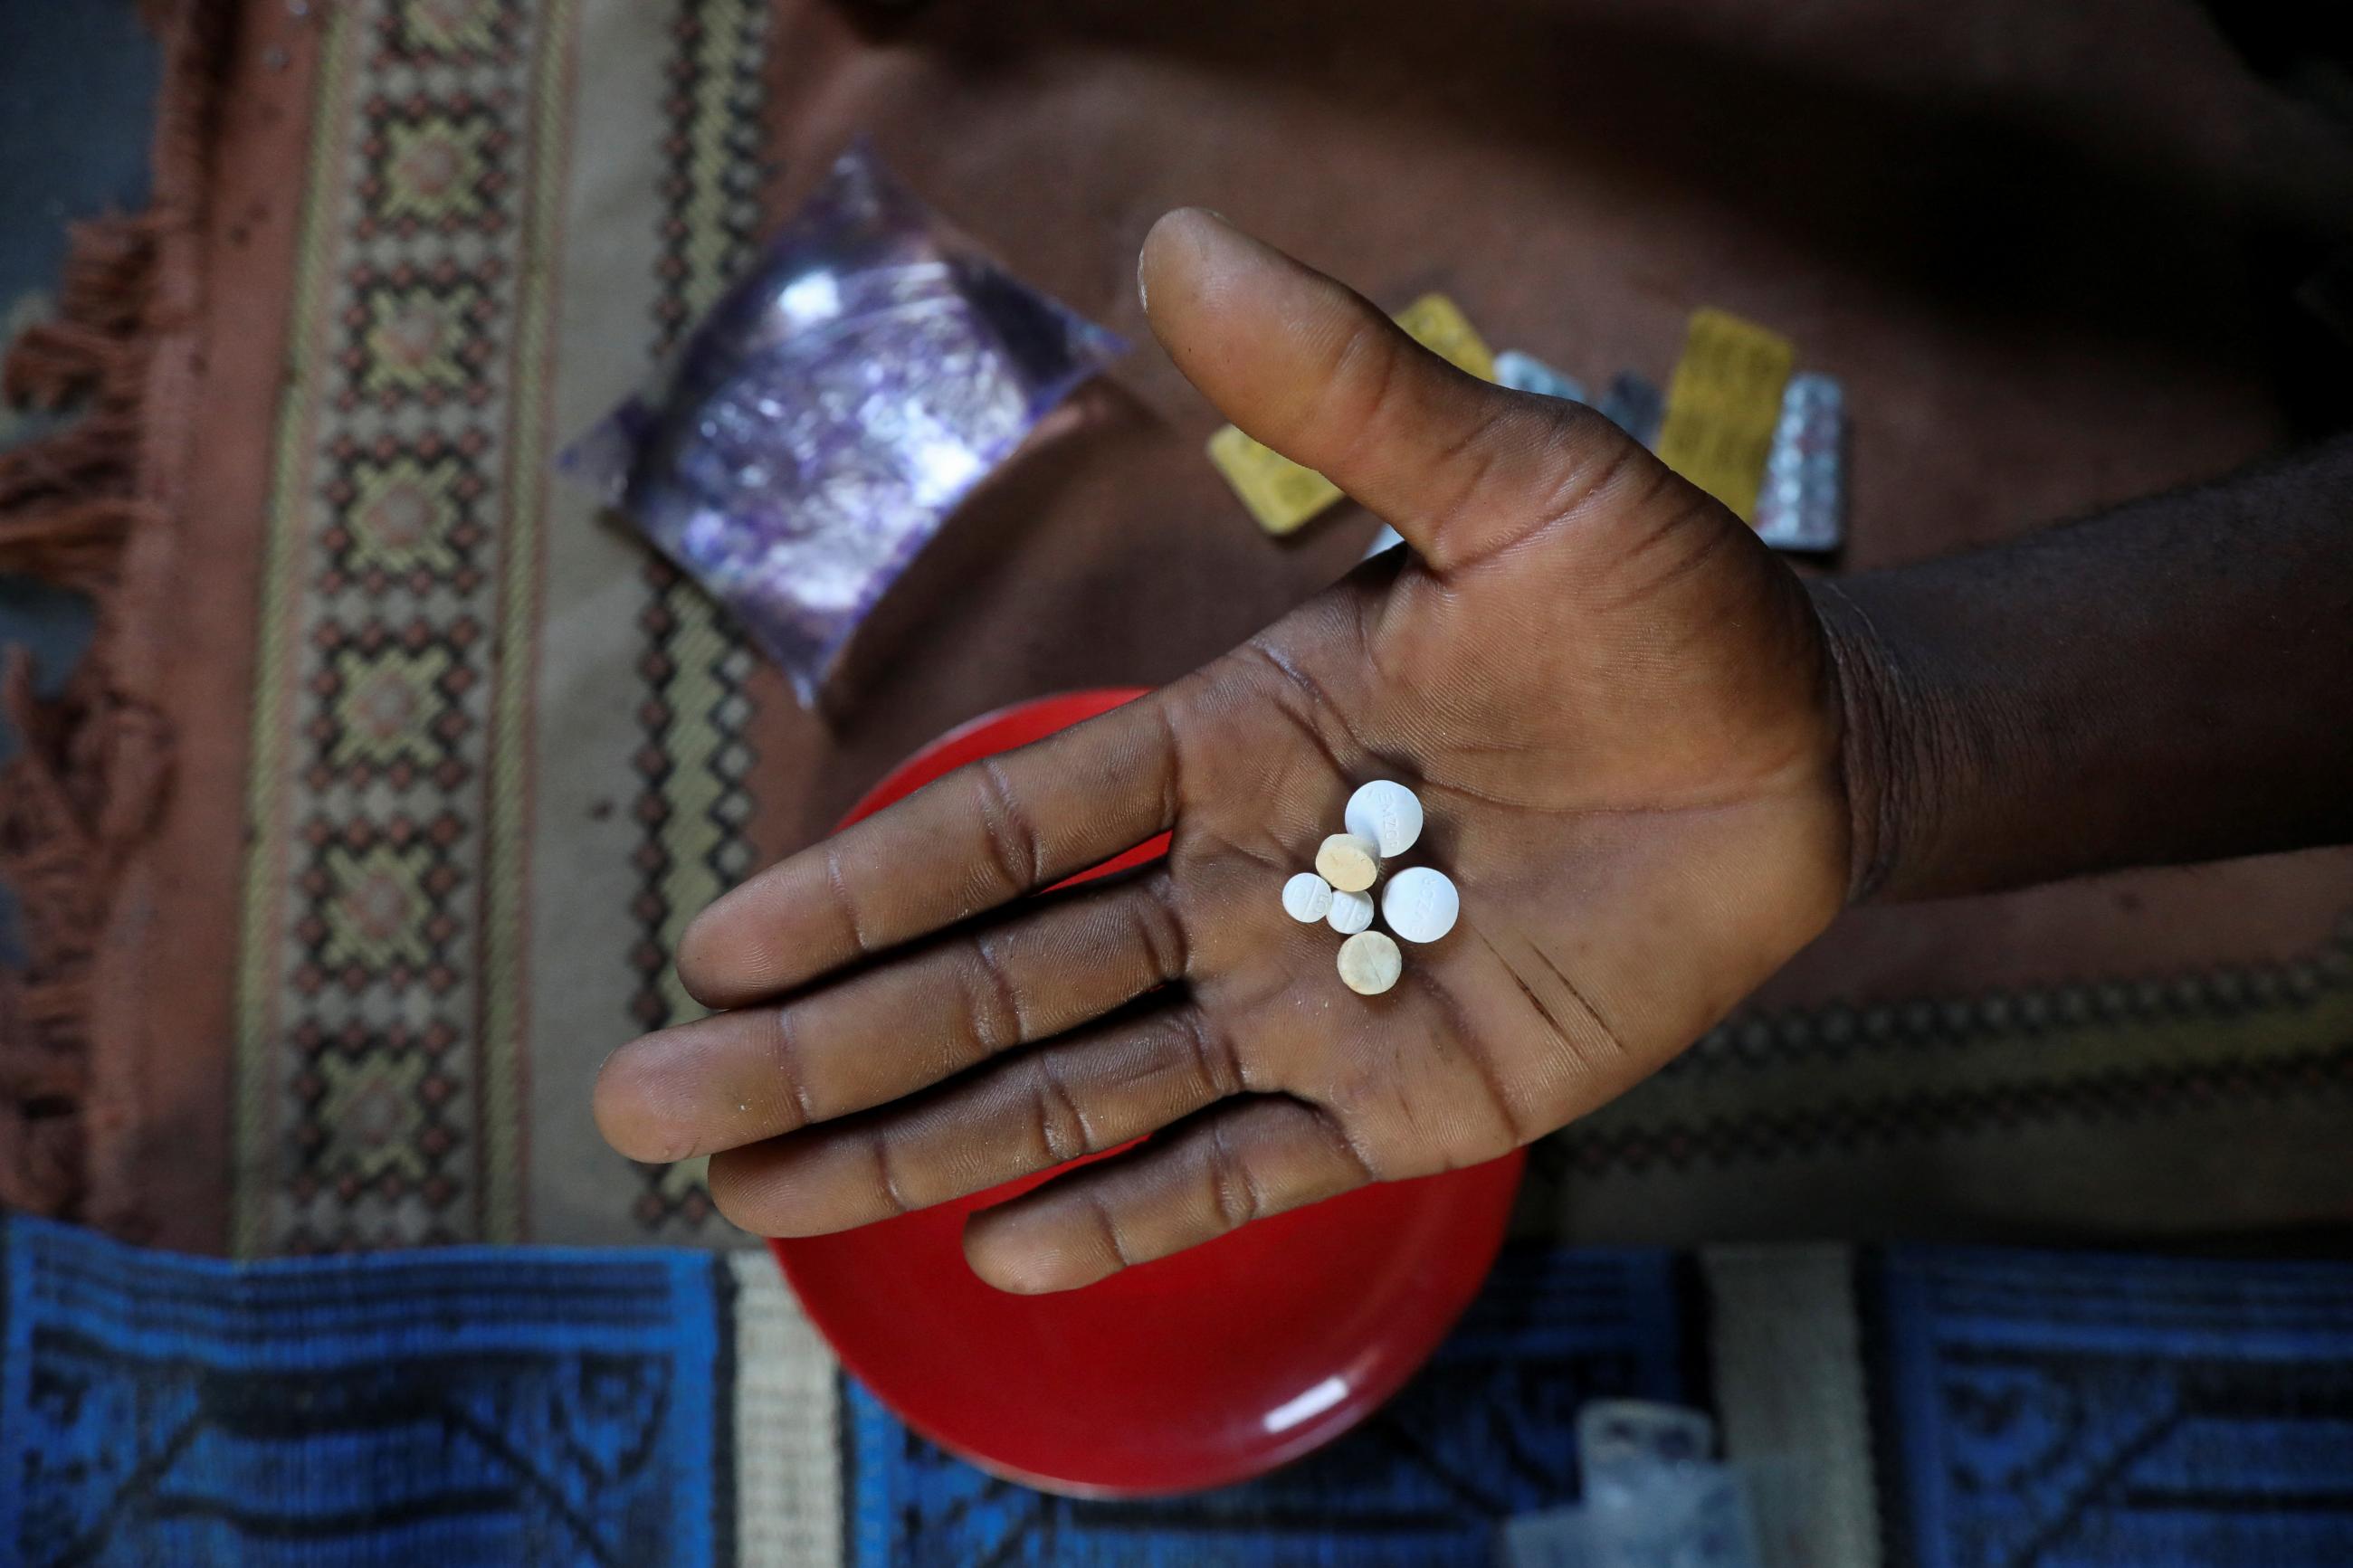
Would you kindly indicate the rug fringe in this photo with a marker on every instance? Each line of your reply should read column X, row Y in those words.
column 102, row 306
column 87, row 785
column 45, row 852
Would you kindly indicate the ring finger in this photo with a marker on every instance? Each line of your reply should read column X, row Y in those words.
column 1022, row 1113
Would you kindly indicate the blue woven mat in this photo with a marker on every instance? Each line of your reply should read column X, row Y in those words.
column 2068, row 1410
column 476, row 1407
column 470, row 1406
column 1485, row 1433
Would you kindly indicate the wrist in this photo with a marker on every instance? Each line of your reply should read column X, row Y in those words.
column 1876, row 705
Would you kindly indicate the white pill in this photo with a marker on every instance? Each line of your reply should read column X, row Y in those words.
column 1420, row 904
column 1350, row 912
column 1307, row 897
column 1349, row 863
column 1388, row 813
column 1370, row 963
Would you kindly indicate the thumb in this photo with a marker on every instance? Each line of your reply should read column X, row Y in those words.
column 1463, row 469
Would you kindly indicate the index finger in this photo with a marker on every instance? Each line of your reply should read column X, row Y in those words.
column 980, row 836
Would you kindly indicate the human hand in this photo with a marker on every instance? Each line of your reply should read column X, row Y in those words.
column 1621, row 711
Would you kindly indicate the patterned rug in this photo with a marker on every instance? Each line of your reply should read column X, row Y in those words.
column 648, row 1406
column 456, row 758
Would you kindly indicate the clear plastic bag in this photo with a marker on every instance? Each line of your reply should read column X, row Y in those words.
column 1653, row 1498
column 824, row 419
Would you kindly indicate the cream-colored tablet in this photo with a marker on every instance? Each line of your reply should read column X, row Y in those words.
column 1387, row 813
column 1420, row 904
column 1370, row 963
column 1350, row 912
column 1307, row 897
column 1349, row 863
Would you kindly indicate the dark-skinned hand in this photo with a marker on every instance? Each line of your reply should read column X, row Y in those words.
column 1620, row 710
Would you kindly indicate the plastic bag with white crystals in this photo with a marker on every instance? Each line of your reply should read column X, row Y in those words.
column 822, row 421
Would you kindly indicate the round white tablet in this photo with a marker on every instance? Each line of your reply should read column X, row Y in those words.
column 1307, row 897
column 1388, row 814
column 1370, row 963
column 1350, row 912
column 1420, row 904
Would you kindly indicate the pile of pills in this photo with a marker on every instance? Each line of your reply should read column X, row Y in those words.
column 1382, row 822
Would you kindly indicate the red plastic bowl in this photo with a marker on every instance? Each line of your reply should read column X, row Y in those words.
column 1211, row 1366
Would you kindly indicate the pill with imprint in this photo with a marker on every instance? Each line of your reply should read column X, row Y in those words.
column 1420, row 904
column 1307, row 897
column 1387, row 813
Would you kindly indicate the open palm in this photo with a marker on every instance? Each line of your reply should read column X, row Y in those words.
column 1618, row 709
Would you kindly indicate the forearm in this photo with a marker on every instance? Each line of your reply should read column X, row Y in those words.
column 2170, row 681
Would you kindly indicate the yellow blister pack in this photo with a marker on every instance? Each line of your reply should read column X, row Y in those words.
column 1722, row 406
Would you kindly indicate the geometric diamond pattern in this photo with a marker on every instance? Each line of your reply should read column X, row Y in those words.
column 388, row 711
column 435, row 32
column 433, row 164
column 375, row 1019
column 383, row 915
column 416, row 334
column 693, row 761
column 393, row 704
column 405, row 514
